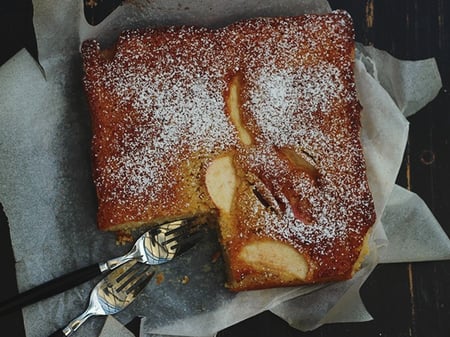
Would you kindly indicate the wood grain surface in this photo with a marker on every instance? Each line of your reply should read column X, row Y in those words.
column 404, row 299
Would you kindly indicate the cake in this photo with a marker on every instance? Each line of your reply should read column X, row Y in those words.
column 256, row 123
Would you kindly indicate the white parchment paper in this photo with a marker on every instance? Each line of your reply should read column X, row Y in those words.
column 47, row 193
column 113, row 328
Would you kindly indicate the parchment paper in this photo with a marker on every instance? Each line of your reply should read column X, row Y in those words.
column 47, row 193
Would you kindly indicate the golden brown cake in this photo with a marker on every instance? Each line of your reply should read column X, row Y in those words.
column 257, row 121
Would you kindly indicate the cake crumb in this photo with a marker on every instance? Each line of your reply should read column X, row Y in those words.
column 215, row 256
column 185, row 279
column 159, row 278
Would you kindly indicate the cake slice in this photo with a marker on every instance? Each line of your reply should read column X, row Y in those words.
column 257, row 122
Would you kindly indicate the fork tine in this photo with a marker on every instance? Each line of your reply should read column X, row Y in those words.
column 184, row 222
column 134, row 278
column 183, row 243
column 141, row 282
column 175, row 223
column 167, row 228
column 124, row 273
column 183, row 234
column 184, row 229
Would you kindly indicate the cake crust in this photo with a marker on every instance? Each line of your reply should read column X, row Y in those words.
column 258, row 120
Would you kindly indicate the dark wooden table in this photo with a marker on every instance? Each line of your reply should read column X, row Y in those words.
column 404, row 299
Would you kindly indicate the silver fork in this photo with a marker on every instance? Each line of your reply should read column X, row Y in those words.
column 160, row 244
column 112, row 294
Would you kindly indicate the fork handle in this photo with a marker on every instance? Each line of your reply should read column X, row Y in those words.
column 58, row 333
column 50, row 288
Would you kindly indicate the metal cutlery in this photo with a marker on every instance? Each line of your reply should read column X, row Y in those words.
column 160, row 244
column 112, row 294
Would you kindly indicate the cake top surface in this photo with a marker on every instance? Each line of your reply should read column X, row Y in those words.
column 159, row 96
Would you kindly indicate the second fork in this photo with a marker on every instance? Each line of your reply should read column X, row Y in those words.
column 112, row 294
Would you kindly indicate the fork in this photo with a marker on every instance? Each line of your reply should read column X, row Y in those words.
column 160, row 244
column 112, row 294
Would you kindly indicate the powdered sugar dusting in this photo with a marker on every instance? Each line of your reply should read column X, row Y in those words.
column 280, row 95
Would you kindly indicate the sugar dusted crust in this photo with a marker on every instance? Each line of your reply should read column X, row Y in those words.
column 258, row 120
